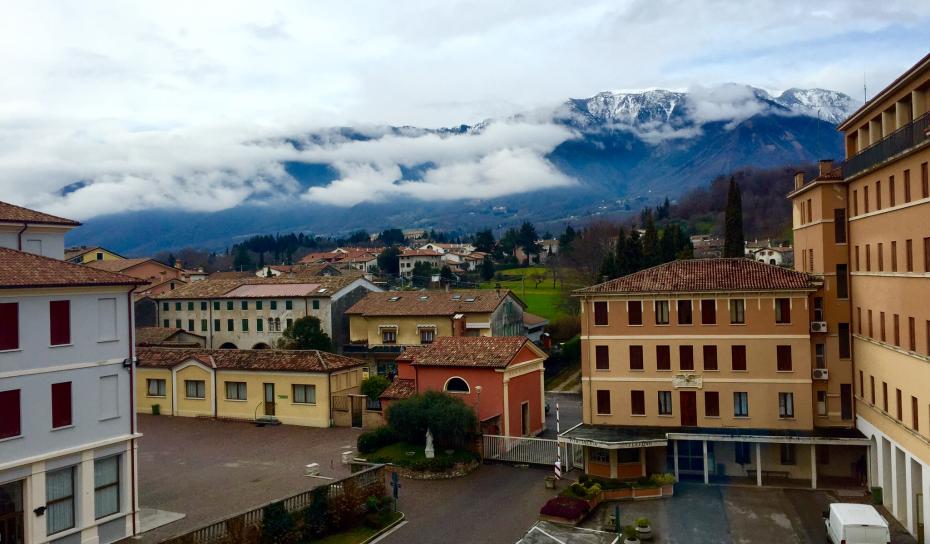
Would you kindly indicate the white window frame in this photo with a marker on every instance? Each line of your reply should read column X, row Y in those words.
column 161, row 387
column 199, row 385
column 445, row 386
column 303, row 387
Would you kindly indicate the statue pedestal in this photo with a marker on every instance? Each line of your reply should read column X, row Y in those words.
column 429, row 452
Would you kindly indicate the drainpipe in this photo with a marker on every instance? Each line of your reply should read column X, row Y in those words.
column 849, row 296
column 132, row 413
column 19, row 236
column 210, row 322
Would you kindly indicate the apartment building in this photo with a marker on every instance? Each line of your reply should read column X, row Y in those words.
column 85, row 254
column 252, row 312
column 34, row 232
column 411, row 257
column 382, row 323
column 67, row 423
column 706, row 368
column 871, row 218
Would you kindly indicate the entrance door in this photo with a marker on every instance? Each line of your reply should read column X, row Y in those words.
column 688, row 401
column 269, row 399
column 11, row 513
column 525, row 418
column 357, row 410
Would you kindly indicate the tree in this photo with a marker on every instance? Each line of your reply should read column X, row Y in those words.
column 526, row 239
column 484, row 241
column 389, row 261
column 487, row 268
column 566, row 238
column 242, row 260
column 422, row 274
column 632, row 260
column 276, row 523
column 608, row 270
column 449, row 419
column 306, row 333
column 373, row 386
column 446, row 276
column 172, row 260
column 359, row 237
column 651, row 251
column 734, row 243
column 391, row 237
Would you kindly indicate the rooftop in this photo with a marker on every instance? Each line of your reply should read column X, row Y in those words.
column 248, row 359
column 255, row 287
column 10, row 213
column 474, row 351
column 150, row 336
column 707, row 275
column 436, row 302
column 19, row 269
column 400, row 389
column 118, row 265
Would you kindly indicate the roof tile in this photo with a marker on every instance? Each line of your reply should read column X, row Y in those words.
column 393, row 303
column 248, row 359
column 10, row 213
column 475, row 351
column 20, row 269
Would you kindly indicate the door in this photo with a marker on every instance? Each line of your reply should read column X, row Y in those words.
column 846, row 400
column 688, row 408
column 269, row 399
column 357, row 410
column 11, row 513
column 525, row 418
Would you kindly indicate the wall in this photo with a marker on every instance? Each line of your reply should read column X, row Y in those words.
column 492, row 389
column 526, row 388
column 369, row 328
column 191, row 407
column 313, row 415
column 144, row 402
column 50, row 238
column 339, row 304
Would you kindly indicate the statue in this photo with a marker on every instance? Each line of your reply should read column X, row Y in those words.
column 428, row 450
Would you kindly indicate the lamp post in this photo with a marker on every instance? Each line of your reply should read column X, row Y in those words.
column 478, row 407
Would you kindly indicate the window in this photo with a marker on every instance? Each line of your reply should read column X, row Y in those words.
column 603, row 401
column 258, row 304
column 106, row 486
column 686, row 357
column 108, row 395
column 872, row 389
column 842, row 281
column 273, row 304
column 894, row 256
column 155, row 387
column 177, row 306
column 870, row 325
column 106, row 319
column 839, row 225
column 858, row 319
column 164, row 306
column 638, row 403
column 10, row 424
column 216, row 325
column 783, row 357
column 600, row 312
column 203, row 305
column 177, row 323
column 287, row 323
column 245, row 304
column 61, row 405
column 740, row 404
column 810, row 211
column 926, row 254
column 898, row 405
column 924, row 181
column 59, row 314
column 663, row 358
column 636, row 357
column 907, row 185
column 868, row 258
column 881, row 257
column 634, row 311
column 857, row 259
column 216, row 305
column 190, row 306
column 304, row 394
column 236, row 391
column 911, row 334
column 665, row 403
column 59, row 500
column 710, row 357
column 661, row 308
column 245, row 325
column 195, row 389
column 712, row 404
column 427, row 336
column 881, row 325
column 782, row 310
column 315, row 304
column 909, row 255
column 229, row 324
column 388, row 336
column 788, row 454
column 203, row 325
column 288, row 304
column 786, row 405
column 885, row 396
column 818, row 308
column 878, row 195
column 9, row 325
column 737, row 311
column 865, row 198
column 229, row 305
column 897, row 330
column 915, row 408
column 190, row 325
column 891, row 191
column 738, row 354
column 843, row 334
column 684, row 312
column 820, row 359
column 855, row 200
column 708, row 312
column 743, row 452
column 599, row 455
column 822, row 403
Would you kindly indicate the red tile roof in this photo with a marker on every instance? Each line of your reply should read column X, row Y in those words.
column 118, row 265
column 254, row 360
column 694, row 275
column 400, row 389
column 474, row 351
column 420, row 253
column 19, row 269
column 10, row 213
column 153, row 336
column 391, row 303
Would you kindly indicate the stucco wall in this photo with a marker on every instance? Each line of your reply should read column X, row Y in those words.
column 525, row 388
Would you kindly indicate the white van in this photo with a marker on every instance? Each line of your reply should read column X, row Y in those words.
column 856, row 524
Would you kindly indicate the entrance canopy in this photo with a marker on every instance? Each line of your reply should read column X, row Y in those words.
column 614, row 437
column 822, row 436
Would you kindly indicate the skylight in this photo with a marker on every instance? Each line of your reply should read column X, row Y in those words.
column 394, row 299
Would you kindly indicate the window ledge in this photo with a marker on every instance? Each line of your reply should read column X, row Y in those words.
column 637, row 370
column 10, row 438
column 109, row 418
column 711, row 370
column 738, row 324
column 108, row 340
column 156, row 396
column 784, row 371
column 68, row 345
column 663, row 370
column 602, row 414
column 711, row 417
column 740, row 417
column 637, row 415
column 195, row 398
column 63, row 428
column 236, row 400
column 666, row 415
column 14, row 350
column 309, row 404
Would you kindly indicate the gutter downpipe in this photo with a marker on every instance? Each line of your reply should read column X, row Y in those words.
column 132, row 412
column 19, row 237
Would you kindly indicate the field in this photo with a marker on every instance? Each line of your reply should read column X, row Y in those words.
column 544, row 300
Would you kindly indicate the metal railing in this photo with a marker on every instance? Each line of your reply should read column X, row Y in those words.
column 535, row 451
column 899, row 141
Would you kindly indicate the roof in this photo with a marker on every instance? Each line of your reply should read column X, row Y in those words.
column 230, row 275
column 420, row 253
column 533, row 320
column 72, row 252
column 694, row 275
column 255, row 287
column 435, row 302
column 276, row 290
column 400, row 389
column 883, row 94
column 10, row 213
column 252, row 360
column 473, row 351
column 118, row 265
column 304, row 269
column 20, row 269
column 150, row 336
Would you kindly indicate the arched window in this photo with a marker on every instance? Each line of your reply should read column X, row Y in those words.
column 277, row 324
column 261, row 345
column 771, row 261
column 228, row 345
column 457, row 385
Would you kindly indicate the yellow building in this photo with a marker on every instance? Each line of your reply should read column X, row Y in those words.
column 85, row 254
column 382, row 323
column 704, row 368
column 311, row 388
column 871, row 218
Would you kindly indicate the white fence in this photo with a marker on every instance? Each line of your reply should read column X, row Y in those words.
column 535, row 451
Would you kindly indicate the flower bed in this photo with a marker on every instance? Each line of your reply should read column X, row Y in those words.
column 585, row 495
column 566, row 510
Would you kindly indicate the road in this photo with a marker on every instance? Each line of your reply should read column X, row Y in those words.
column 569, row 412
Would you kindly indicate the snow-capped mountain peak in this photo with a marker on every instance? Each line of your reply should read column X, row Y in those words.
column 828, row 105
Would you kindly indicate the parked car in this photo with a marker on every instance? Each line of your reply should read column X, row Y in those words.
column 849, row 523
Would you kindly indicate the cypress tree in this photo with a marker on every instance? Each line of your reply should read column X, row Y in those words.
column 734, row 244
column 633, row 256
column 620, row 254
column 652, row 254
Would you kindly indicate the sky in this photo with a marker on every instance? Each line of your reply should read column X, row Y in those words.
column 136, row 105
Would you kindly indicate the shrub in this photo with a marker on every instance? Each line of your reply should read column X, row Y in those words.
column 662, row 479
column 277, row 524
column 642, row 522
column 316, row 515
column 584, row 479
column 373, row 504
column 449, row 419
column 578, row 489
column 376, row 439
column 594, row 491
column 565, row 507
column 629, row 533
column 373, row 386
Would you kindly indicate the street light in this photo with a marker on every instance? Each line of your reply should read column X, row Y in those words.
column 478, row 407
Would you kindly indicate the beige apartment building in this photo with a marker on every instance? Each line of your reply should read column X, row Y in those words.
column 706, row 368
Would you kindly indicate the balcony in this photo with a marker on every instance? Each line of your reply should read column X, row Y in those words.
column 899, row 141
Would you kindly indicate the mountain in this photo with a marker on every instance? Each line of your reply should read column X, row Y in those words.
column 613, row 153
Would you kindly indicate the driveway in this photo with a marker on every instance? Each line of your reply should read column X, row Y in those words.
column 210, row 470
column 569, row 412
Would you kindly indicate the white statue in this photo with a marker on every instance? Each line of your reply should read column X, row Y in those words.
column 428, row 450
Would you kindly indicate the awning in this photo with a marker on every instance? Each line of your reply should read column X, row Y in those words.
column 826, row 435
column 613, row 437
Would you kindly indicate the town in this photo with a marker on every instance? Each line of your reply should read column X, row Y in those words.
column 743, row 361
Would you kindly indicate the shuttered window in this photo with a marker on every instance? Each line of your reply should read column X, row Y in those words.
column 784, row 358
column 782, row 310
column 61, row 404
column 600, row 313
column 9, row 325
column 739, row 357
column 634, row 310
column 686, row 357
column 708, row 312
column 59, row 315
column 10, row 425
column 603, row 401
column 636, row 357
column 601, row 358
column 663, row 358
column 684, row 312
column 638, row 403
column 712, row 404
column 710, row 357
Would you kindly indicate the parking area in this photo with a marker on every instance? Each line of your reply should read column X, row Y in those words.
column 209, row 470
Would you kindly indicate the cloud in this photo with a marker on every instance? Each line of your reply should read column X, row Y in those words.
column 730, row 102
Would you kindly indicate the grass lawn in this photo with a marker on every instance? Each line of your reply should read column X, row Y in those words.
column 397, row 453
column 543, row 300
column 354, row 535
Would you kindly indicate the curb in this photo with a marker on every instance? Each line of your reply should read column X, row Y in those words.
column 397, row 524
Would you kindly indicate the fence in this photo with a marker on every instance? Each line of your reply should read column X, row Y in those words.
column 533, row 451
column 906, row 137
column 362, row 484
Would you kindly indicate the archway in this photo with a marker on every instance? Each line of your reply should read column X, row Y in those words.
column 261, row 345
column 456, row 385
column 228, row 345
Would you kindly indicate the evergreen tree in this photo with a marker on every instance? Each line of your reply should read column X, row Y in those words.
column 668, row 245
column 487, row 268
column 242, row 260
column 388, row 261
column 633, row 253
column 734, row 244
column 526, row 239
column 306, row 333
column 619, row 254
column 172, row 260
column 422, row 274
column 484, row 241
column 608, row 270
column 652, row 254
column 566, row 238
column 446, row 276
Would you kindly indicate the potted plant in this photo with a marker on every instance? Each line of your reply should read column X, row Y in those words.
column 550, row 482
column 643, row 529
column 629, row 535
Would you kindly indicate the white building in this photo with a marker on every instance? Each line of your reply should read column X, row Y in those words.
column 35, row 232
column 68, row 429
column 410, row 257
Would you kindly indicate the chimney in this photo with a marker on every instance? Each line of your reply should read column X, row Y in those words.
column 798, row 180
column 826, row 166
column 458, row 325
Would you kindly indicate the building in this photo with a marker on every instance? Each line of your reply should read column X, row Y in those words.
column 298, row 270
column 534, row 327
column 67, row 422
column 707, row 368
column 382, row 323
column 292, row 387
column 168, row 338
column 253, row 312
column 864, row 227
column 502, row 377
column 159, row 277
column 707, row 246
column 35, row 232
column 85, row 254
column 349, row 257
column 411, row 257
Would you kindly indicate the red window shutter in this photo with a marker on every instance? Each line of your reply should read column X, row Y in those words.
column 708, row 312
column 59, row 312
column 739, row 357
column 600, row 313
column 686, row 357
column 61, row 404
column 634, row 310
column 663, row 358
column 601, row 358
column 783, row 358
column 9, row 325
column 710, row 357
column 603, row 401
column 9, row 406
column 638, row 403
column 636, row 357
column 712, row 403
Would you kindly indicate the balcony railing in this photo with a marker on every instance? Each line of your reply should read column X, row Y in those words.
column 899, row 141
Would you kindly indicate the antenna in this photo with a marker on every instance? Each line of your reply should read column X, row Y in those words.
column 865, row 96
